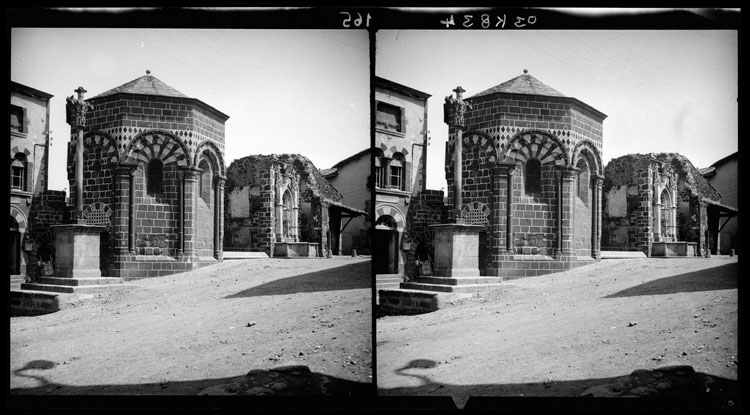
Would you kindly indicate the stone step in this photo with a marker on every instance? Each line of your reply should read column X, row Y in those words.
column 391, row 285
column 409, row 302
column 16, row 281
column 623, row 255
column 466, row 288
column 34, row 303
column 231, row 255
column 79, row 281
column 70, row 289
column 458, row 280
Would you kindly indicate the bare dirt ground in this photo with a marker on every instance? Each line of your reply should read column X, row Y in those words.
column 574, row 333
column 197, row 332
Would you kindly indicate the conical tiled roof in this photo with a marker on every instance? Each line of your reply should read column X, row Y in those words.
column 522, row 84
column 145, row 85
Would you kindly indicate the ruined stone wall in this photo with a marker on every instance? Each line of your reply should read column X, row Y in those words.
column 628, row 216
column 250, row 202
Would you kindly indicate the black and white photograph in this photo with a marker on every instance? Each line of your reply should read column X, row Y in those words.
column 188, row 212
column 569, row 222
column 373, row 208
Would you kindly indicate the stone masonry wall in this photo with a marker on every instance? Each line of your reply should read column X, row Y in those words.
column 428, row 209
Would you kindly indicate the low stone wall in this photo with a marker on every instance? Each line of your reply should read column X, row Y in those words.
column 514, row 268
column 33, row 303
column 147, row 266
column 406, row 302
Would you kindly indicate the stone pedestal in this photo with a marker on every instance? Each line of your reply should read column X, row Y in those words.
column 295, row 250
column 456, row 250
column 77, row 251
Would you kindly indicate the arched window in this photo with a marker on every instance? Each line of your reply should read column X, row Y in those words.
column 205, row 181
column 18, row 172
column 396, row 168
column 287, row 219
column 154, row 177
column 533, row 176
column 583, row 180
column 379, row 169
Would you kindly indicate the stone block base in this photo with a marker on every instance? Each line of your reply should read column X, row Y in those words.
column 674, row 249
column 133, row 267
column 295, row 250
column 514, row 266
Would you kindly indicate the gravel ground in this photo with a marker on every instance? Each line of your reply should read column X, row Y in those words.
column 191, row 333
column 573, row 334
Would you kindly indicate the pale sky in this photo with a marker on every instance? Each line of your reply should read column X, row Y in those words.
column 285, row 91
column 662, row 90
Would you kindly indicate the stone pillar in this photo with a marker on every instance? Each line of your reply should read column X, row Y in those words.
column 131, row 211
column 76, row 110
column 567, row 211
column 673, row 215
column 122, row 218
column 189, row 215
column 218, row 216
column 596, row 242
column 77, row 251
column 507, row 170
column 279, row 210
column 456, row 250
column 657, row 217
column 458, row 175
column 459, row 107
column 295, row 214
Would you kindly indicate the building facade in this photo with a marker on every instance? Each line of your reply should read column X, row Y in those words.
column 153, row 176
column 29, row 111
column 723, row 175
column 530, row 172
column 400, row 153
column 282, row 204
column 352, row 177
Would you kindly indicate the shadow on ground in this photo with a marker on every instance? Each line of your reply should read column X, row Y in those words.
column 676, row 387
column 723, row 277
column 285, row 387
column 347, row 277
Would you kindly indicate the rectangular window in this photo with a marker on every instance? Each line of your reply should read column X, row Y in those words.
column 18, row 179
column 16, row 118
column 396, row 176
column 388, row 117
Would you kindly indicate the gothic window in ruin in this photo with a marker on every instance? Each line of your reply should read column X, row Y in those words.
column 18, row 172
column 533, row 176
column 287, row 219
column 396, row 168
column 16, row 118
column 583, row 180
column 205, row 181
column 389, row 117
column 154, row 177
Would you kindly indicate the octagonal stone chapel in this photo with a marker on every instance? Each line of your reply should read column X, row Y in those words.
column 531, row 173
column 154, row 174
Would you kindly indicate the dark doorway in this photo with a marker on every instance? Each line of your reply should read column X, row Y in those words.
column 15, row 248
column 386, row 246
column 104, row 253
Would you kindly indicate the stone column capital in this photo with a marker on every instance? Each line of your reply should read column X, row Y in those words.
column 190, row 172
column 507, row 168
